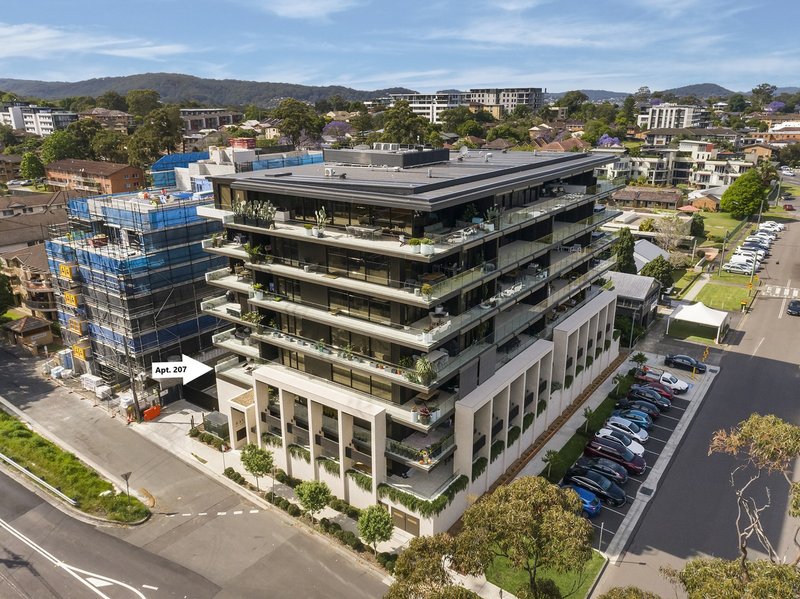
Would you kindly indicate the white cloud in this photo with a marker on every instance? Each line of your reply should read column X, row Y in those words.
column 302, row 9
column 517, row 5
column 44, row 42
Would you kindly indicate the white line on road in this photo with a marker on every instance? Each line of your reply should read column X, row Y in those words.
column 655, row 453
column 631, row 498
column 185, row 514
column 674, row 407
column 237, row 512
column 222, row 513
column 605, row 507
column 253, row 511
column 755, row 351
column 664, row 428
column 202, row 514
column 671, row 417
column 657, row 439
column 783, row 303
column 605, row 528
column 147, row 586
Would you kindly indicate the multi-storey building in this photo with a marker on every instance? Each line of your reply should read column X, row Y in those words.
column 9, row 167
column 671, row 116
column 34, row 119
column 507, row 99
column 116, row 120
column 404, row 372
column 94, row 176
column 130, row 275
column 196, row 119
column 30, row 280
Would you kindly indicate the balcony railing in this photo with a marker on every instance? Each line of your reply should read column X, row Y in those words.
column 240, row 345
column 45, row 306
column 427, row 457
column 497, row 427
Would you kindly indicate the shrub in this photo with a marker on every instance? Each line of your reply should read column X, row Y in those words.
column 345, row 508
column 568, row 381
column 527, row 421
column 194, row 431
column 478, row 467
column 293, row 510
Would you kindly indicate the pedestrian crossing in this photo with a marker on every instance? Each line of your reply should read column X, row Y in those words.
column 781, row 292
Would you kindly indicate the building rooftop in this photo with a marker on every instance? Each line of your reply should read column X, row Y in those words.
column 90, row 167
column 27, row 324
column 33, row 257
column 636, row 287
column 459, row 179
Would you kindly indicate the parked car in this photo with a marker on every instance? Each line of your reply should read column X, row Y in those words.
column 638, row 392
column 793, row 309
column 757, row 247
column 757, row 241
column 756, row 254
column 590, row 504
column 629, row 428
column 611, row 470
column 597, row 484
column 737, row 268
column 788, row 207
column 616, row 452
column 685, row 362
column 641, row 419
column 775, row 223
column 641, row 405
column 667, row 379
column 759, row 238
column 657, row 387
column 608, row 433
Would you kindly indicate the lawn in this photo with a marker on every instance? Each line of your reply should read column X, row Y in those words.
column 682, row 278
column 732, row 277
column 65, row 472
column 692, row 332
column 573, row 585
column 723, row 297
column 718, row 223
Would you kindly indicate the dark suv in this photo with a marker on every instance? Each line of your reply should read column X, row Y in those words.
column 611, row 470
column 616, row 452
column 638, row 392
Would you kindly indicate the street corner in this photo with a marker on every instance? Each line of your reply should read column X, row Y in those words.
column 147, row 498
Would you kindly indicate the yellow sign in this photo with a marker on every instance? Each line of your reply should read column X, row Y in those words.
column 76, row 326
column 749, row 285
column 65, row 270
column 71, row 299
column 80, row 352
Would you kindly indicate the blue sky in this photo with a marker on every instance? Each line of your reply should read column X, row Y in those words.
column 436, row 44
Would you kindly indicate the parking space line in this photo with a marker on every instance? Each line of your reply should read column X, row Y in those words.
column 605, row 507
column 632, row 499
column 671, row 417
column 664, row 428
column 655, row 453
column 657, row 439
column 674, row 407
column 597, row 526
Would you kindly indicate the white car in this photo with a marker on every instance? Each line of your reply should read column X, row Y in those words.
column 634, row 446
column 755, row 254
column 773, row 223
column 765, row 235
column 737, row 268
column 623, row 425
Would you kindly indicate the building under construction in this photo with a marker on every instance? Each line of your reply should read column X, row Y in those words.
column 131, row 275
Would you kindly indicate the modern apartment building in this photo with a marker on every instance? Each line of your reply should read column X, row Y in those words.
column 672, row 116
column 402, row 372
column 94, row 176
column 196, row 119
column 34, row 119
column 506, row 99
column 130, row 277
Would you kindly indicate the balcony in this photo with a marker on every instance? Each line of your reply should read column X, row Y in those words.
column 232, row 368
column 271, row 419
column 330, row 446
column 225, row 216
column 231, row 249
column 425, row 486
column 40, row 306
column 220, row 307
column 38, row 286
column 422, row 451
column 478, row 444
column 240, row 344
column 497, row 427
column 224, row 278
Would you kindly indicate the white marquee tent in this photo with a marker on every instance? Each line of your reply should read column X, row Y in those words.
column 699, row 313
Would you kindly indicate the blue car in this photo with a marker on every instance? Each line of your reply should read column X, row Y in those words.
column 590, row 504
column 636, row 416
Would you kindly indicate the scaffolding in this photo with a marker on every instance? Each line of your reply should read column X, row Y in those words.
column 131, row 276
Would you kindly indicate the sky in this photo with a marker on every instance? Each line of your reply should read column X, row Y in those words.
column 426, row 46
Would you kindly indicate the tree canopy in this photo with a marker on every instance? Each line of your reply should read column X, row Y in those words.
column 298, row 119
column 313, row 495
column 61, row 145
column 160, row 132
column 31, row 166
column 660, row 269
column 141, row 102
column 402, row 126
column 256, row 461
column 420, row 571
column 375, row 525
column 112, row 101
column 6, row 295
column 623, row 250
column 745, row 196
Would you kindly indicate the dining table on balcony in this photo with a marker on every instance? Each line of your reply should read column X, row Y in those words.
column 366, row 232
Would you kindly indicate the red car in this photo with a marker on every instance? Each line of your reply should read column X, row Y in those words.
column 788, row 207
column 662, row 389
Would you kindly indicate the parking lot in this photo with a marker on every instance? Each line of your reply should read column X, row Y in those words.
column 611, row 519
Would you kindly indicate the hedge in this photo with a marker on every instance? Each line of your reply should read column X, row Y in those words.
column 363, row 481
column 423, row 507
column 527, row 421
column 298, row 451
column 513, row 435
column 478, row 467
column 330, row 466
column 498, row 447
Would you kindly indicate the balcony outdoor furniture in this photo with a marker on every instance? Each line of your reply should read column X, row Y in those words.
column 366, row 232
column 433, row 277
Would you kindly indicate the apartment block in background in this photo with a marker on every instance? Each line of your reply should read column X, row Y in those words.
column 400, row 372
column 94, row 177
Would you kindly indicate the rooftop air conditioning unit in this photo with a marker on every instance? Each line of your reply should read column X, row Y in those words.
column 330, row 172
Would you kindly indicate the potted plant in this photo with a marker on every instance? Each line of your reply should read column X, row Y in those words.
column 216, row 240
column 414, row 414
column 424, row 415
column 258, row 291
column 266, row 215
column 308, row 227
column 426, row 246
column 426, row 291
column 414, row 244
column 425, row 371
column 253, row 252
column 322, row 220
column 238, row 212
column 492, row 216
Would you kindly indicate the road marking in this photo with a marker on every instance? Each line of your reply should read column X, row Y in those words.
column 237, row 512
column 631, row 498
column 674, row 407
column 755, row 351
column 147, row 586
column 671, row 417
column 605, row 507
column 98, row 582
column 655, row 453
column 664, row 428
column 203, row 514
column 222, row 513
column 71, row 570
column 657, row 439
column 605, row 528
column 783, row 303
column 185, row 514
column 253, row 511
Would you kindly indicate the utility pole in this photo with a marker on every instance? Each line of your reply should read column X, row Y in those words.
column 722, row 255
column 132, row 379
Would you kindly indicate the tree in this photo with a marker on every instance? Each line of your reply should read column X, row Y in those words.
column 628, row 593
column 6, row 294
column 530, row 522
column 111, row 146
column 660, row 269
column 254, row 113
column 142, row 101
column 375, row 526
column 639, row 358
column 84, row 131
column 551, row 458
column 31, row 166
column 453, row 118
column 642, row 94
column 298, row 119
column 112, row 101
column 697, row 226
column 761, row 95
column 470, row 127
column 712, row 577
column 362, row 121
column 256, row 461
column 623, row 250
column 737, row 103
column 670, row 231
column 402, row 126
column 572, row 100
column 744, row 197
column 790, row 154
column 61, row 145
column 421, row 569
column 626, row 117
column 647, row 225
column 7, row 137
column 313, row 495
column 160, row 132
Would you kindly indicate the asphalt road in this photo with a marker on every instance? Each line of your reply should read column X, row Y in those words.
column 694, row 510
column 35, row 536
column 240, row 554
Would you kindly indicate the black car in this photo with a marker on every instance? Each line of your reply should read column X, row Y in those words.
column 793, row 309
column 598, row 484
column 611, row 470
column 651, row 395
column 639, row 404
column 685, row 362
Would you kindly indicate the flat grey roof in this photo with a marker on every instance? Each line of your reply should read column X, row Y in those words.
column 426, row 187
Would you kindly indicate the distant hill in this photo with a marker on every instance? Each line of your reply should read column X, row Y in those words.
column 176, row 88
column 594, row 95
column 700, row 90
column 787, row 90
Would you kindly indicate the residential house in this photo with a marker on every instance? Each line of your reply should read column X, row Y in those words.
column 115, row 120
column 29, row 333
column 94, row 177
column 571, row 144
column 645, row 251
column 648, row 197
column 25, row 218
column 36, row 120
column 30, row 280
column 759, row 152
column 664, row 136
column 707, row 199
column 196, row 119
column 431, row 106
column 637, row 297
column 9, row 167
column 403, row 373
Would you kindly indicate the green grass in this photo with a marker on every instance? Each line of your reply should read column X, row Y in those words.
column 792, row 189
column 573, row 585
column 692, row 332
column 65, row 472
column 731, row 277
column 718, row 223
column 683, row 280
column 723, row 297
